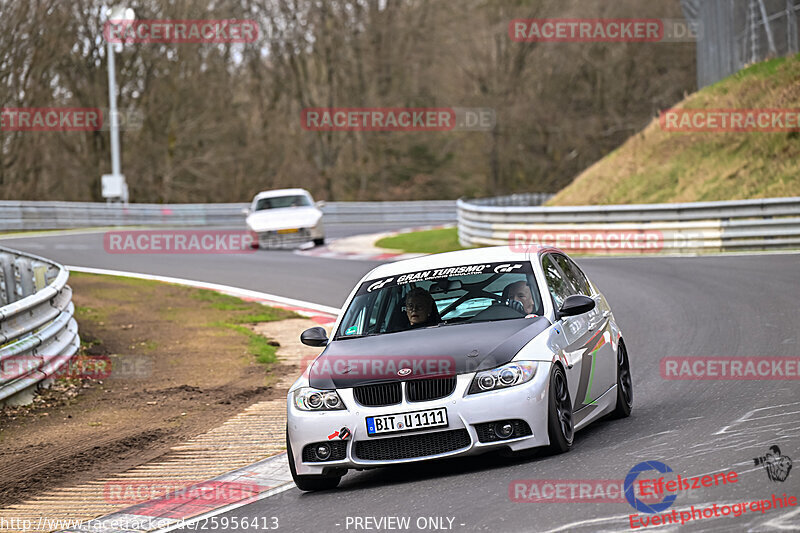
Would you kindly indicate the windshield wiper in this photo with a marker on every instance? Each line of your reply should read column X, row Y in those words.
column 345, row 337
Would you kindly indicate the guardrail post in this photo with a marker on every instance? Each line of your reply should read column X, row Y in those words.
column 24, row 275
column 8, row 287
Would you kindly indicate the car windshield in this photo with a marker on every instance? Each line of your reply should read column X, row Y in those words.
column 277, row 202
column 440, row 297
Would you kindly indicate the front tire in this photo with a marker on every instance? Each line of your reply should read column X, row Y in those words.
column 309, row 483
column 560, row 428
column 624, row 384
column 319, row 242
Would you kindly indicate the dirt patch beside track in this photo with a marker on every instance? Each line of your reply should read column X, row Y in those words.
column 182, row 362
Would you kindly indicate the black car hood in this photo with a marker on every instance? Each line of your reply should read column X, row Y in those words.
column 428, row 352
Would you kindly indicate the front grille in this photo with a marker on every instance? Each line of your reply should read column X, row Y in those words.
column 422, row 390
column 271, row 239
column 338, row 451
column 412, row 446
column 487, row 433
column 378, row 395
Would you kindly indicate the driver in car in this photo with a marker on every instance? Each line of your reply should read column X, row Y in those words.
column 518, row 294
column 421, row 309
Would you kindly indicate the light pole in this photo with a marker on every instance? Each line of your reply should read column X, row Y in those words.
column 114, row 186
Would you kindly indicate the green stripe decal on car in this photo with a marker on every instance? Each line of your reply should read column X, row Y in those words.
column 587, row 400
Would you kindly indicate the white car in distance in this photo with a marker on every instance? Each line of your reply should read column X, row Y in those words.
column 285, row 217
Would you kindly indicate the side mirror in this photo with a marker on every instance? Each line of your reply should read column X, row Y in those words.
column 320, row 204
column 577, row 304
column 314, row 337
column 246, row 211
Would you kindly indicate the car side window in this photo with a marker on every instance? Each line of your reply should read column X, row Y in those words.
column 574, row 275
column 558, row 286
column 581, row 277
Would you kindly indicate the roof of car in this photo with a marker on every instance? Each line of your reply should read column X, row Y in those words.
column 281, row 192
column 462, row 257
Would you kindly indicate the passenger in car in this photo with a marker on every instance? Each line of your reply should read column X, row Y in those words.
column 520, row 292
column 421, row 308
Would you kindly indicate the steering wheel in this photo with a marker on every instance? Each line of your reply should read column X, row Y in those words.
column 515, row 305
column 510, row 303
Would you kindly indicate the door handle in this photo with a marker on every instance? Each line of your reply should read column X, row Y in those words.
column 593, row 325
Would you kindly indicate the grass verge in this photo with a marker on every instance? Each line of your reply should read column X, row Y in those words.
column 225, row 313
column 662, row 166
column 423, row 242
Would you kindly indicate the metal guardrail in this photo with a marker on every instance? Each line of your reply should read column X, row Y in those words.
column 770, row 223
column 413, row 213
column 38, row 334
column 30, row 215
column 526, row 199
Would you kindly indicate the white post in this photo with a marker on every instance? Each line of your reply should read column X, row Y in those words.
column 112, row 111
column 114, row 186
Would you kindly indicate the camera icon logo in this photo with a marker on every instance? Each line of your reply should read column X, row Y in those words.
column 777, row 466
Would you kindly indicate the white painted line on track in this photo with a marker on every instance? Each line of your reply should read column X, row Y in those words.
column 60, row 233
column 235, row 291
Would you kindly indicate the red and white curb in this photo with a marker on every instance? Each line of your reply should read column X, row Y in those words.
column 362, row 247
column 327, row 253
column 198, row 502
column 190, row 505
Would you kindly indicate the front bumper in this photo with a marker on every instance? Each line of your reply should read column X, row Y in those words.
column 465, row 413
column 282, row 239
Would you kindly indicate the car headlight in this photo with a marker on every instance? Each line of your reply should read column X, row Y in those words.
column 503, row 377
column 310, row 399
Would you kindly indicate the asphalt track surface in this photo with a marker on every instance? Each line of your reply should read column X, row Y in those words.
column 281, row 272
column 689, row 306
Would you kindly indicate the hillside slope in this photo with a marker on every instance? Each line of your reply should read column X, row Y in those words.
column 663, row 166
